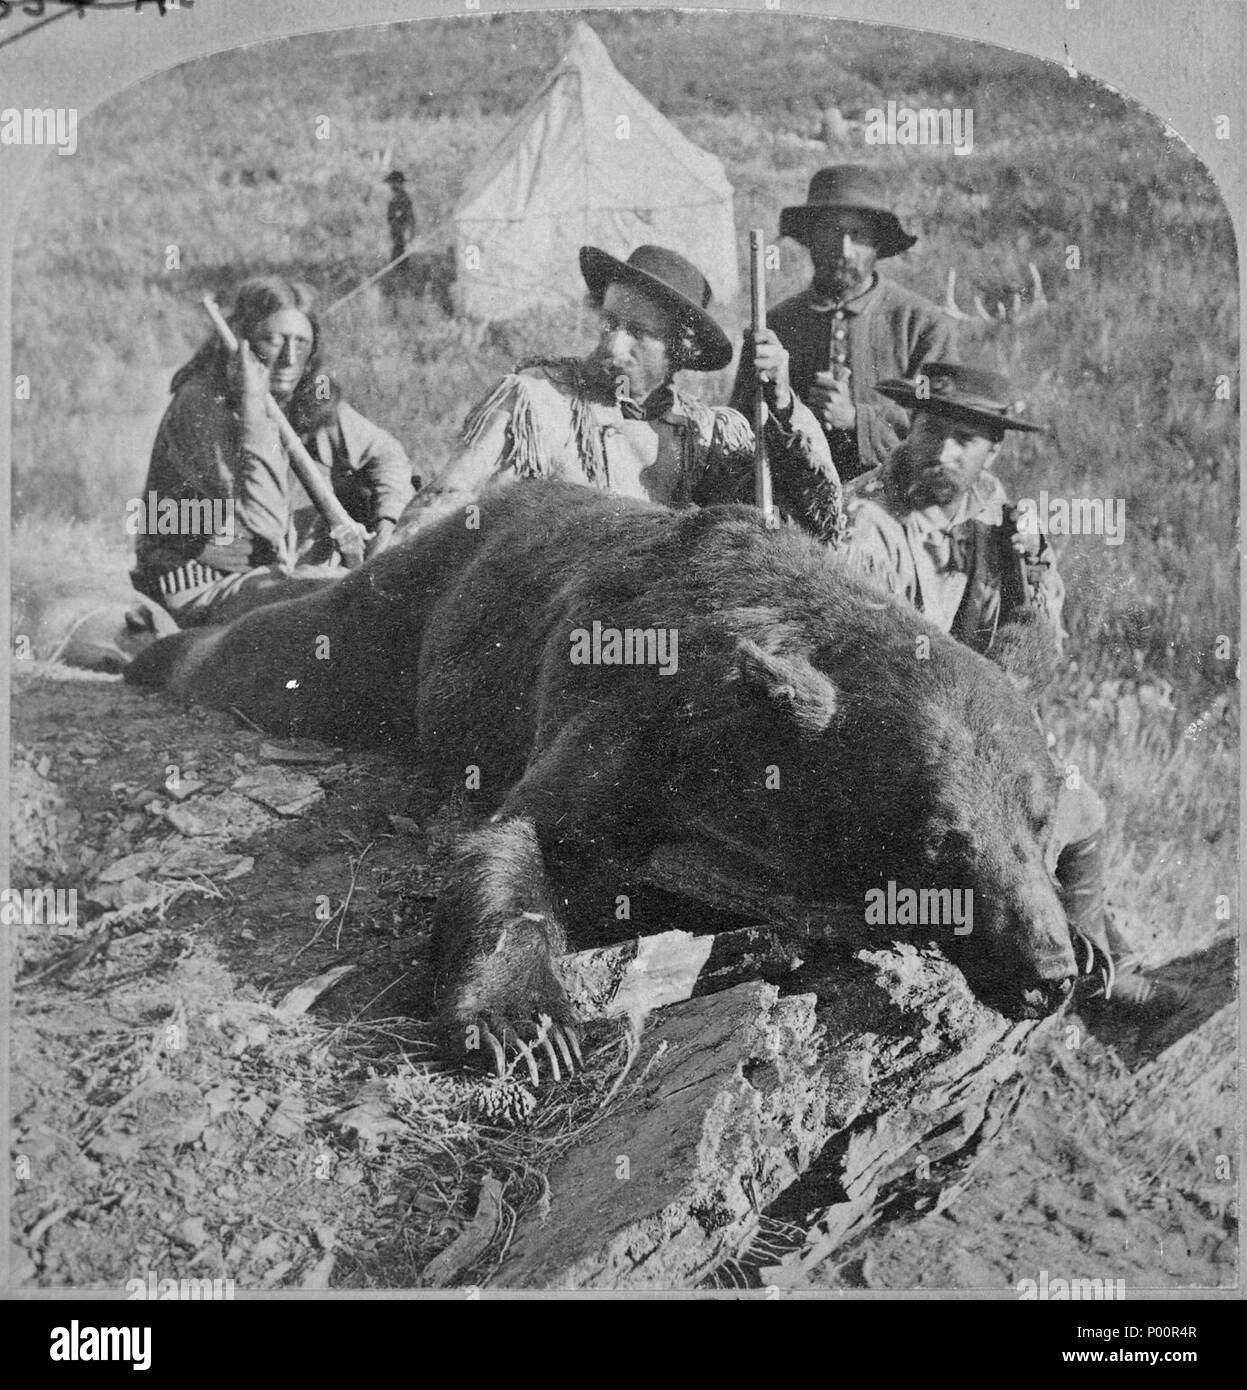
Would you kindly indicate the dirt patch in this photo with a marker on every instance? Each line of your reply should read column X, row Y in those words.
column 169, row 1116
column 173, row 1120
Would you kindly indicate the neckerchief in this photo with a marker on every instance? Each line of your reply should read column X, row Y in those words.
column 653, row 407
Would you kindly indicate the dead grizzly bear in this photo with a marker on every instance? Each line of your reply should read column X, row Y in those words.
column 618, row 677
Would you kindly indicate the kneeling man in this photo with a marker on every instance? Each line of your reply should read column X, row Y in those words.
column 932, row 525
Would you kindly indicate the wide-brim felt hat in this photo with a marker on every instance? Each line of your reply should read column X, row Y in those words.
column 847, row 186
column 673, row 282
column 966, row 393
column 396, row 177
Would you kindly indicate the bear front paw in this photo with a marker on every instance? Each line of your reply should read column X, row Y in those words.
column 510, row 1009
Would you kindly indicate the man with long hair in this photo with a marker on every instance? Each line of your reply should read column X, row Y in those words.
column 219, row 455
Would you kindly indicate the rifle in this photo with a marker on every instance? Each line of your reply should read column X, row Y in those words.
column 347, row 533
column 757, row 298
column 1016, row 590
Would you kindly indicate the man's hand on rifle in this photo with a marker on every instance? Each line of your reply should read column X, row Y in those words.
column 770, row 363
column 832, row 401
column 379, row 539
column 248, row 379
column 1035, row 556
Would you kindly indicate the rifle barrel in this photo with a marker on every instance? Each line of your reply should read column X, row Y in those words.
column 757, row 301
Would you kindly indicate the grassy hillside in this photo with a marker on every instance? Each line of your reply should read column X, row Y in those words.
column 220, row 159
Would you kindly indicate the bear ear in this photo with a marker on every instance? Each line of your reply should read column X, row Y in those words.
column 789, row 683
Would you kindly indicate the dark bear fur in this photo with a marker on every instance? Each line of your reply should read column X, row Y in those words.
column 454, row 648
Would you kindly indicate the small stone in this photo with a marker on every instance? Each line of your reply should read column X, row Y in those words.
column 183, row 788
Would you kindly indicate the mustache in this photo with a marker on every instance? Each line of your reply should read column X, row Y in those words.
column 925, row 486
column 599, row 370
column 839, row 275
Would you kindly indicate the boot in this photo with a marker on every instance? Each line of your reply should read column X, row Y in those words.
column 1080, row 887
column 1111, row 973
column 1137, row 995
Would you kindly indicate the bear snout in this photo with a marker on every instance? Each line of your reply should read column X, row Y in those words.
column 1022, row 964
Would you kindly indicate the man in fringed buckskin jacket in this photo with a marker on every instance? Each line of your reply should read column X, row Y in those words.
column 615, row 420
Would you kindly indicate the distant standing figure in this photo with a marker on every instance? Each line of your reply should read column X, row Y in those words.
column 400, row 215
column 852, row 328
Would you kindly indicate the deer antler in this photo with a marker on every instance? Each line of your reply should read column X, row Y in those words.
column 1017, row 311
column 949, row 305
column 1039, row 300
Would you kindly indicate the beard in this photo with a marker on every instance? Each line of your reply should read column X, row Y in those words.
column 932, row 489
column 601, row 375
column 928, row 485
column 839, row 280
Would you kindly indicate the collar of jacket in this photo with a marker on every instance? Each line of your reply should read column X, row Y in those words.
column 852, row 307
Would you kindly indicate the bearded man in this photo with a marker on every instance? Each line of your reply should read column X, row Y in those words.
column 852, row 328
column 933, row 527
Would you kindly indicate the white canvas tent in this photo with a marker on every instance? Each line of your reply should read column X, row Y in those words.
column 588, row 162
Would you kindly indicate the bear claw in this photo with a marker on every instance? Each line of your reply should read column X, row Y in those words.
column 500, row 1056
column 547, row 1035
column 527, row 1053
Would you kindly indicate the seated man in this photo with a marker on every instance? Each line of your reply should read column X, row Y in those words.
column 217, row 444
column 615, row 420
column 931, row 525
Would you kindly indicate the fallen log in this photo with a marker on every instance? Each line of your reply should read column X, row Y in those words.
column 635, row 977
column 731, row 1103
column 945, row 1075
column 873, row 1076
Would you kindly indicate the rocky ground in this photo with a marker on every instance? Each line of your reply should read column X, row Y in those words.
column 219, row 1069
